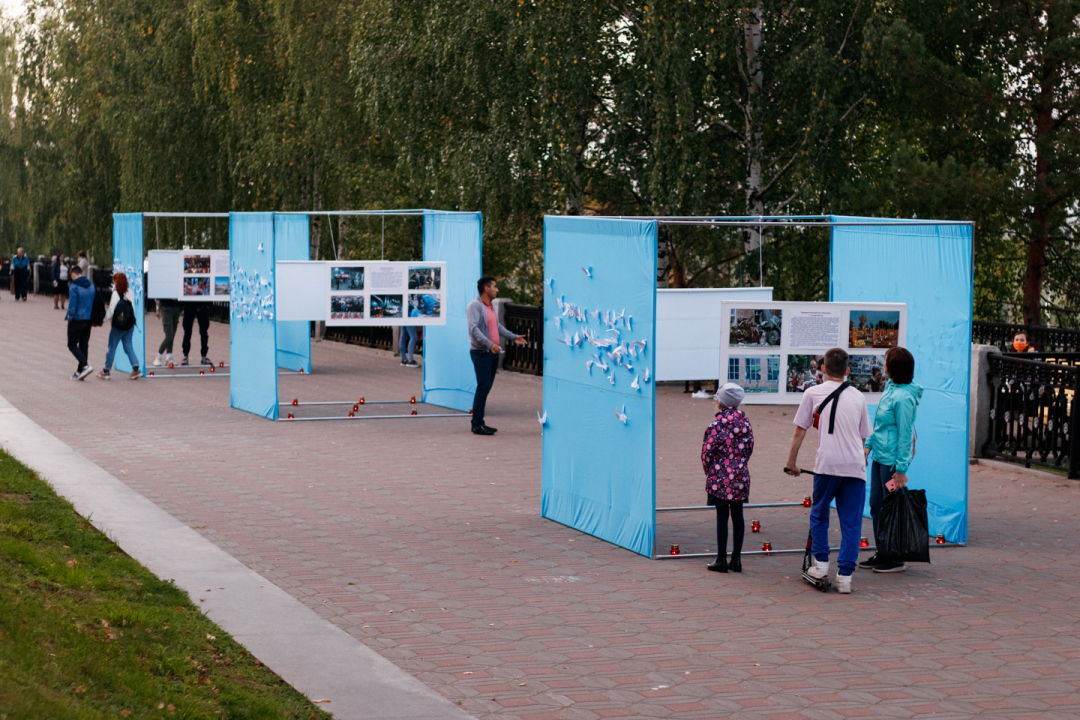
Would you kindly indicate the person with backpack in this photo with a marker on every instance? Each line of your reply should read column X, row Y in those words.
column 838, row 411
column 60, row 282
column 82, row 299
column 122, row 313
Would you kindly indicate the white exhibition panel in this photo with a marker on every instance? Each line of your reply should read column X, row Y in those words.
column 204, row 276
column 362, row 292
column 688, row 325
column 775, row 350
column 300, row 290
column 162, row 268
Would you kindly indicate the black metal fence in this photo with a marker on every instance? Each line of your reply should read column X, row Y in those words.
column 525, row 320
column 380, row 337
column 1033, row 411
column 1045, row 339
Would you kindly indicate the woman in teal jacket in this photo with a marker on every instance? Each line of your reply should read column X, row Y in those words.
column 893, row 443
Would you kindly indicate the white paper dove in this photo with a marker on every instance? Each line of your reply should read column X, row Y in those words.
column 594, row 313
column 635, row 384
column 567, row 340
column 587, row 271
column 646, row 378
column 630, row 323
column 559, row 300
column 588, row 366
column 260, row 247
column 600, row 363
column 541, row 418
column 621, row 414
column 611, row 378
column 550, row 282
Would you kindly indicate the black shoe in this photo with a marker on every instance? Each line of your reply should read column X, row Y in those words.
column 890, row 567
column 736, row 563
column 184, row 361
column 482, row 431
column 870, row 563
column 718, row 565
column 494, row 430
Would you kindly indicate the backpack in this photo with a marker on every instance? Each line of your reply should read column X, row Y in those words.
column 97, row 312
column 123, row 318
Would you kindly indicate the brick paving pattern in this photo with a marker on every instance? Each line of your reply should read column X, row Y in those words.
column 425, row 542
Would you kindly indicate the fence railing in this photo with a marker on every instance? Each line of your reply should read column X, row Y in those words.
column 1033, row 412
column 1045, row 339
column 371, row 336
column 525, row 320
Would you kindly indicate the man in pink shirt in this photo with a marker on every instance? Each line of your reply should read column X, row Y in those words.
column 838, row 411
column 485, row 332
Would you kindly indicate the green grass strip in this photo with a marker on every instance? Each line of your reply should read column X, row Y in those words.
column 87, row 632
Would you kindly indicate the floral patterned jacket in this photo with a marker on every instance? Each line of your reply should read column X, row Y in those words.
column 729, row 441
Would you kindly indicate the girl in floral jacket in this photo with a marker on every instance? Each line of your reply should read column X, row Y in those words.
column 729, row 441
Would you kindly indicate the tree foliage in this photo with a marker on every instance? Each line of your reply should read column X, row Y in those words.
column 960, row 109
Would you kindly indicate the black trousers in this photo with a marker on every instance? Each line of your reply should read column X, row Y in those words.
column 486, row 364
column 737, row 526
column 20, row 284
column 79, row 340
column 202, row 312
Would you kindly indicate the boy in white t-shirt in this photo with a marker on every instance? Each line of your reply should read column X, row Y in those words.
column 840, row 466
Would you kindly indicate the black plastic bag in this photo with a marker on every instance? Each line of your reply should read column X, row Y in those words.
column 903, row 532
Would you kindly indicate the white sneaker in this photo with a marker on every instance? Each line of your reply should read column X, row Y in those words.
column 702, row 395
column 168, row 358
column 157, row 360
column 819, row 569
column 84, row 372
column 843, row 584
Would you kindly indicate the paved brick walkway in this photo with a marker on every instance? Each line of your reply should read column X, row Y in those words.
column 425, row 542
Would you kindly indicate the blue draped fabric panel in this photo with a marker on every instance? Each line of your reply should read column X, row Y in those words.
column 598, row 474
column 929, row 267
column 449, row 378
column 128, row 259
column 292, row 242
column 252, row 331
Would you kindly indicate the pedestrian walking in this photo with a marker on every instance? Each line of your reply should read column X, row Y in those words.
column 121, row 313
column 20, row 272
column 168, row 311
column 725, row 457
column 60, row 279
column 838, row 411
column 196, row 311
column 80, row 308
column 485, row 332
column 892, row 445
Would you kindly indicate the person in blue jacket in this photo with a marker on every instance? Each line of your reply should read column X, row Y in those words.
column 80, row 307
column 20, row 271
column 892, row 443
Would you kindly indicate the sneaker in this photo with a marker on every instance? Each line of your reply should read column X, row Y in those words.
column 411, row 363
column 403, row 363
column 819, row 569
column 205, row 361
column 843, row 584
column 870, row 563
column 158, row 361
column 135, row 374
column 184, row 361
column 75, row 376
column 168, row 358
column 702, row 395
column 104, row 375
column 482, row 431
column 84, row 372
column 890, row 567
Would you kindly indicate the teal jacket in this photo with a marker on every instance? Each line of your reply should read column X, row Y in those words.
column 894, row 426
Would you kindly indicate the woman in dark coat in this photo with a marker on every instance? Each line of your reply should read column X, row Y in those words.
column 725, row 455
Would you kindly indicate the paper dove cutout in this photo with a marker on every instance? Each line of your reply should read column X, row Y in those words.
column 629, row 323
column 621, row 414
column 541, row 418
column 646, row 375
column 594, row 313
column 260, row 247
column 600, row 363
column 550, row 282
column 588, row 366
column 587, row 271
column 559, row 300
column 611, row 378
column 567, row 340
column 635, row 384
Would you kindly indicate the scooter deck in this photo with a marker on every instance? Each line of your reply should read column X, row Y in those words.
column 822, row 584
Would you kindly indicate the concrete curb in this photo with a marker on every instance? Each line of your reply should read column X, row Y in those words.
column 1018, row 469
column 317, row 658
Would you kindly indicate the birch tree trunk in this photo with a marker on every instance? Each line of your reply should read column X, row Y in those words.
column 752, row 126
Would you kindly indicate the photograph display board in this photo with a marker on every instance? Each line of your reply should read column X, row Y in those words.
column 775, row 350
column 385, row 293
column 204, row 276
